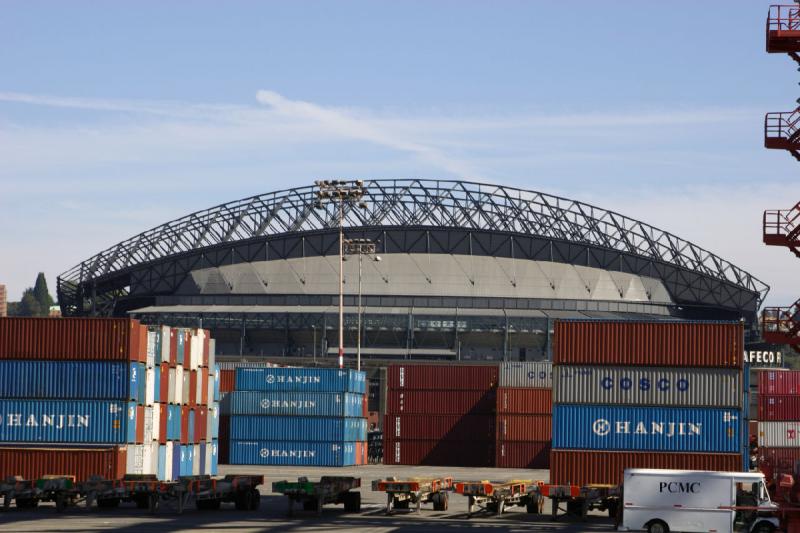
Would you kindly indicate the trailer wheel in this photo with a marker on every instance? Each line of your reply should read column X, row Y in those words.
column 61, row 502
column 613, row 507
column 764, row 527
column 255, row 500
column 657, row 526
column 142, row 501
column 401, row 504
column 439, row 501
column 352, row 502
column 108, row 503
column 27, row 503
column 310, row 504
column 554, row 508
column 152, row 502
column 532, row 505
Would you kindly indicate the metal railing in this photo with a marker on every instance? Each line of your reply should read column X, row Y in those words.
column 783, row 125
column 783, row 18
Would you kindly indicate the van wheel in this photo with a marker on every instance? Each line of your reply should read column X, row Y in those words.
column 764, row 527
column 657, row 526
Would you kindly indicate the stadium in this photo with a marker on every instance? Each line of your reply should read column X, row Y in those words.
column 455, row 270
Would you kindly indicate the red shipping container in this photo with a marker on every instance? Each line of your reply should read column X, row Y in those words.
column 164, row 383
column 525, row 401
column 192, row 387
column 439, row 427
column 223, row 448
column 779, row 382
column 524, row 428
column 139, row 424
column 361, row 453
column 206, row 347
column 204, row 386
column 584, row 467
column 440, row 402
column 83, row 463
column 105, row 339
column 773, row 462
column 185, row 424
column 162, row 424
column 688, row 344
column 227, row 380
column 438, row 453
column 187, row 350
column 173, row 347
column 523, row 455
column 364, row 406
column 442, row 377
column 778, row 407
column 200, row 420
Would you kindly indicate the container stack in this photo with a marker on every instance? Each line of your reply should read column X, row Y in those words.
column 440, row 415
column 645, row 395
column 83, row 397
column 524, row 415
column 778, row 421
column 297, row 416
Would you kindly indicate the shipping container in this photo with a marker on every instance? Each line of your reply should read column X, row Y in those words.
column 196, row 460
column 295, row 403
column 620, row 385
column 774, row 407
column 167, row 351
column 779, row 382
column 292, row 453
column 201, row 456
column 152, row 346
column 438, row 452
column 297, row 428
column 214, row 459
column 454, row 402
column 687, row 344
column 106, row 339
column 149, row 386
column 776, row 461
column 157, row 384
column 526, row 428
column 161, row 468
column 87, row 380
column 204, row 398
column 533, row 375
column 778, row 434
column 439, row 427
column 186, row 389
column 200, row 423
column 176, row 459
column 227, row 380
column 174, row 422
column 585, row 467
column 152, row 423
column 442, row 377
column 300, row 380
column 83, row 463
column 224, row 439
column 68, row 421
column 212, row 431
column 185, row 410
column 142, row 459
column 523, row 455
column 525, row 401
column 598, row 427
column 179, row 397
column 193, row 386
column 186, row 459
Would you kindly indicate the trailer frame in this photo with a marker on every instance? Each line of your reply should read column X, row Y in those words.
column 314, row 494
column 402, row 493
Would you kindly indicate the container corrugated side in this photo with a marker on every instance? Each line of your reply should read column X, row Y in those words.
column 775, row 461
column 442, row 377
column 779, row 382
column 775, row 407
column 297, row 428
column 295, row 403
column 106, row 339
column 585, row 467
column 537, row 375
column 526, row 428
column 438, row 452
column 113, row 380
column 688, row 344
column 678, row 387
column 83, row 463
column 600, row 427
column 779, row 434
column 300, row 380
column 440, row 402
column 439, row 427
column 281, row 453
column 69, row 421
column 227, row 380
column 524, row 401
column 523, row 455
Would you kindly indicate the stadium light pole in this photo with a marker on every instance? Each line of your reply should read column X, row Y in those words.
column 361, row 247
column 342, row 192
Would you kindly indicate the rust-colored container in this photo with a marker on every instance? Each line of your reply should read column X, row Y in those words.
column 227, row 380
column 200, row 421
column 140, row 424
column 187, row 351
column 440, row 402
column 185, row 424
column 365, row 406
column 192, row 387
column 224, row 439
column 774, row 407
column 206, row 347
column 361, row 453
column 688, row 344
column 173, row 347
column 526, row 428
column 584, row 467
column 779, row 382
column 438, row 452
column 163, row 384
column 524, row 401
column 34, row 463
column 204, row 386
column 162, row 424
column 523, row 455
column 773, row 462
column 442, row 377
column 439, row 427
column 104, row 339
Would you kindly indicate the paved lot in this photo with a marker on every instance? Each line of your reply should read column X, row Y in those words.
column 272, row 514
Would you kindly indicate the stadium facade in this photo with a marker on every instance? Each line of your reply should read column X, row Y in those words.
column 467, row 271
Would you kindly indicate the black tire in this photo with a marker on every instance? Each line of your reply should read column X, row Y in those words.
column 764, row 527
column 532, row 507
column 202, row 505
column 61, row 502
column 574, row 508
column 613, row 507
column 491, row 507
column 108, row 503
column 310, row 504
column 142, row 501
column 239, row 501
column 255, row 500
column 657, row 526
column 352, row 502
column 435, row 500
column 27, row 503
column 445, row 500
column 401, row 505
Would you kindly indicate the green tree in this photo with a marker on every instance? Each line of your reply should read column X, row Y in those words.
column 29, row 305
column 42, row 295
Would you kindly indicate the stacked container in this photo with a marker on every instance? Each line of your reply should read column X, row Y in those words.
column 524, row 421
column 440, row 415
column 297, row 416
column 778, row 421
column 645, row 395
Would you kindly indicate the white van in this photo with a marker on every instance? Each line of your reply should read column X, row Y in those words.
column 659, row 501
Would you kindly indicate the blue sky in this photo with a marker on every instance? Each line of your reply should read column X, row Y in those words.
column 116, row 117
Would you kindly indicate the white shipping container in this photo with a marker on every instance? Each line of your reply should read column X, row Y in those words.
column 187, row 374
column 196, row 462
column 533, row 375
column 172, row 385
column 212, row 356
column 195, row 349
column 178, row 398
column 779, row 434
column 166, row 335
column 198, row 393
column 168, row 473
column 150, row 386
column 152, row 338
column 212, row 421
column 209, row 453
column 152, row 417
column 210, row 387
column 142, row 459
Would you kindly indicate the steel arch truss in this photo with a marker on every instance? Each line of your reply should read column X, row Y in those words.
column 172, row 249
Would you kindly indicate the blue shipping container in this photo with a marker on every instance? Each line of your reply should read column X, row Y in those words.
column 157, row 384
column 300, row 380
column 214, row 457
column 141, row 383
column 187, row 459
column 74, row 421
column 173, row 422
column 292, row 453
column 297, row 428
column 161, row 469
column 84, row 380
column 213, row 416
column 191, row 425
column 216, row 383
column 176, row 461
column 296, row 403
column 202, row 459
column 604, row 427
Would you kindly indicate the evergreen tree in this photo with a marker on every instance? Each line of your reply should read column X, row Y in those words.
column 29, row 305
column 42, row 295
